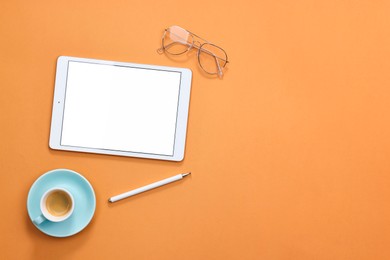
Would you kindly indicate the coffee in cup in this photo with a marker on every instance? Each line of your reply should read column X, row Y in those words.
column 57, row 205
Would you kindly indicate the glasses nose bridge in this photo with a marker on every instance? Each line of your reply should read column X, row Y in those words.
column 197, row 44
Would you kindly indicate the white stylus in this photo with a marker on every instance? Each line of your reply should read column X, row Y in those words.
column 148, row 187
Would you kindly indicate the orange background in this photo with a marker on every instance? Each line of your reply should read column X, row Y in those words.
column 289, row 152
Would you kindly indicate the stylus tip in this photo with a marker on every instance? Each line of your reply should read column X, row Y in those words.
column 186, row 174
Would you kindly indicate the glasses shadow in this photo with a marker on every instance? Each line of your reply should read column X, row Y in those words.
column 180, row 58
column 184, row 58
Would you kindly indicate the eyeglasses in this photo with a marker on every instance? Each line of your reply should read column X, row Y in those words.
column 176, row 40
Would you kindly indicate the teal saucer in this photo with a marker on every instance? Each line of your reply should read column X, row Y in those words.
column 84, row 200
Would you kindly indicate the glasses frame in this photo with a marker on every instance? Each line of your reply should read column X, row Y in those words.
column 196, row 45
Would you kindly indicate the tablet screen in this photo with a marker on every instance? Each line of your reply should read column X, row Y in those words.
column 120, row 108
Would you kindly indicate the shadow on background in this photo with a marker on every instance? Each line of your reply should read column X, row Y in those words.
column 48, row 247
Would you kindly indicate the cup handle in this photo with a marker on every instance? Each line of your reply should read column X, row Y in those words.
column 38, row 220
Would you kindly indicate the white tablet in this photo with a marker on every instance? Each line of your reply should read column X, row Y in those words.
column 119, row 108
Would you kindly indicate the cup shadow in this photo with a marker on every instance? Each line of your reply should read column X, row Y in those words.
column 48, row 247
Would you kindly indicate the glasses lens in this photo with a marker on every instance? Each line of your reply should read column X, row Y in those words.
column 177, row 40
column 212, row 59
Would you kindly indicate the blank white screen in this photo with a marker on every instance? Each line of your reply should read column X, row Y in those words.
column 120, row 108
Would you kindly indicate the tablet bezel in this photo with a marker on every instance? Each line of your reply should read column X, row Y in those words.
column 59, row 103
